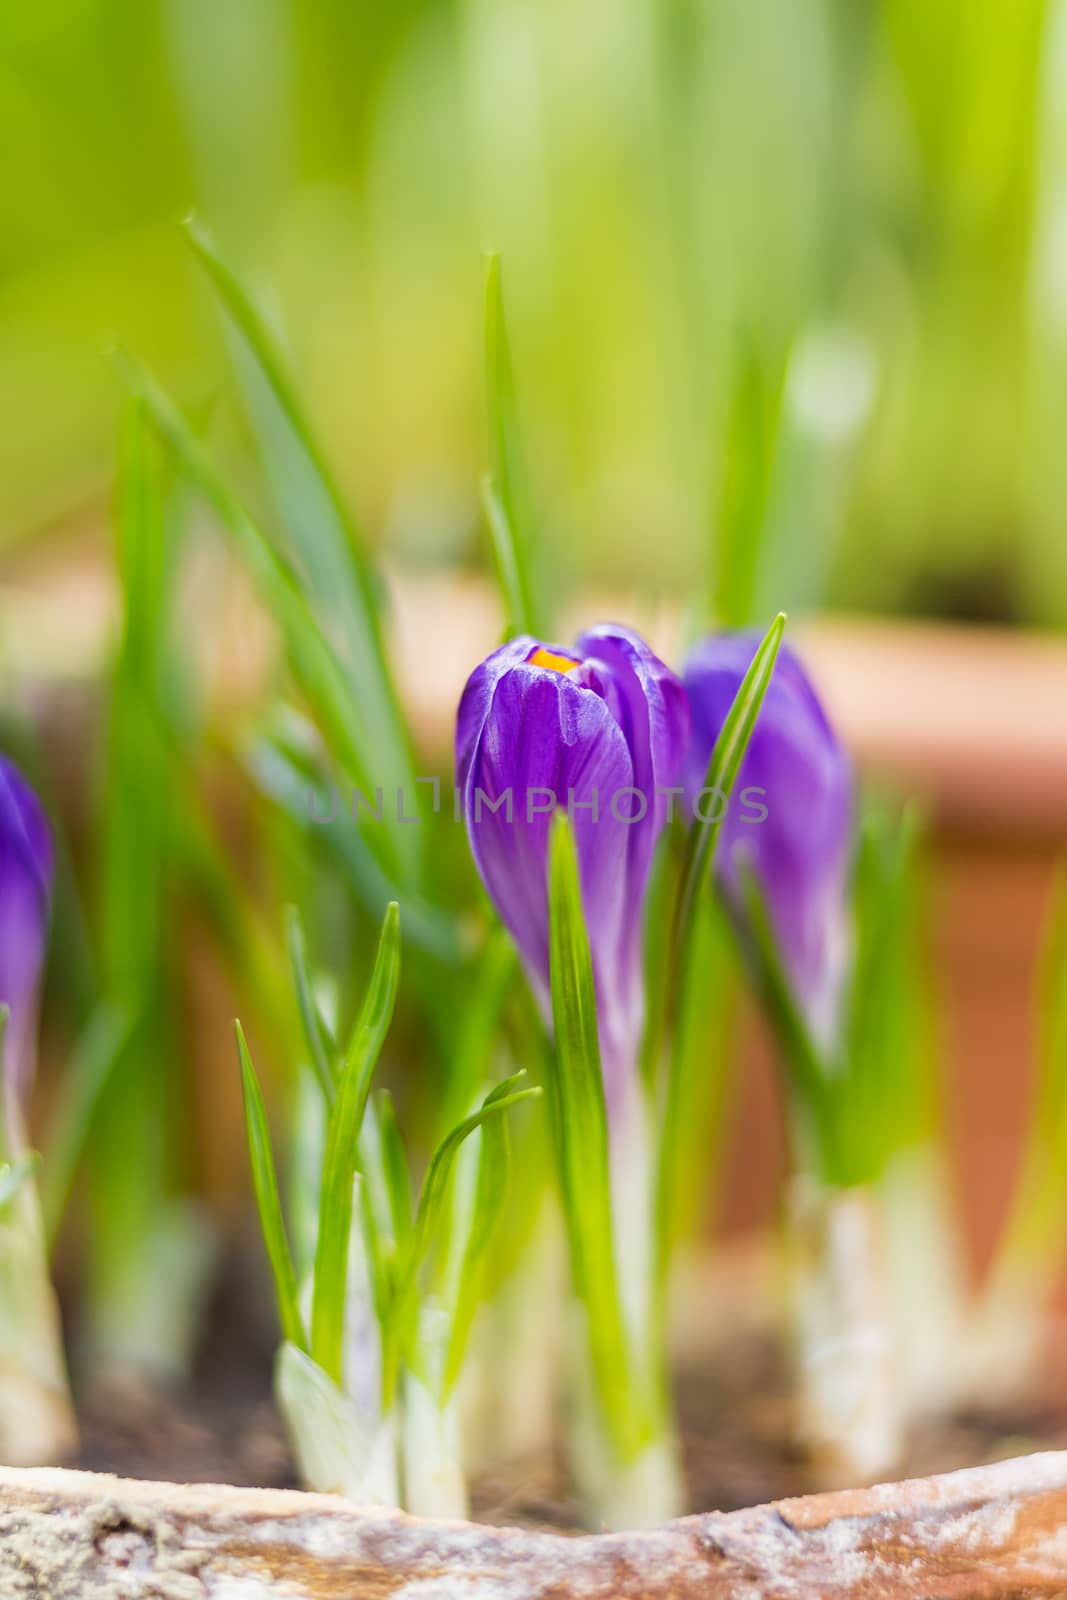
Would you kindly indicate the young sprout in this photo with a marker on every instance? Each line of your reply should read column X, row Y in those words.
column 599, row 732
column 36, row 1419
column 826, row 961
column 377, row 1309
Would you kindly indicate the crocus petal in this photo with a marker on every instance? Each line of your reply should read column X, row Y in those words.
column 547, row 738
column 597, row 730
column 25, row 893
column 650, row 705
column 477, row 697
column 796, row 831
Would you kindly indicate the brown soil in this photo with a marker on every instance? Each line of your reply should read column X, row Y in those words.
column 219, row 1428
column 736, row 1411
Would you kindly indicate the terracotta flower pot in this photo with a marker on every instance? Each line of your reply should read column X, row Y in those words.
column 990, row 1532
column 974, row 722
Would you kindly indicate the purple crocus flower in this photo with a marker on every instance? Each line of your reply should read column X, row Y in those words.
column 25, row 895
column 601, row 731
column 790, row 816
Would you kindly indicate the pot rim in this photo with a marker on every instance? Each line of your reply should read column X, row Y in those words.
column 994, row 1531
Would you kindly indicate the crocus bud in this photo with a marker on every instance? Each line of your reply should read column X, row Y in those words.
column 600, row 731
column 25, row 894
column 789, row 817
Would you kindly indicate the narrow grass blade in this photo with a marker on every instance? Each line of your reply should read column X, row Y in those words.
column 285, row 771
column 342, row 1141
column 261, row 344
column 697, row 1091
column 810, row 1076
column 724, row 765
column 330, row 549
column 265, row 1181
column 508, row 561
column 317, row 1038
column 432, row 1205
column 395, row 1172
column 478, row 1034
column 149, row 696
column 666, row 995
column 431, row 1201
column 325, row 681
column 503, row 492
column 95, row 1057
column 576, row 1092
column 386, row 1195
column 745, row 486
column 886, row 1071
column 491, row 1185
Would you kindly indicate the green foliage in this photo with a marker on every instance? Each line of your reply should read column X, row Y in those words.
column 268, row 1200
column 697, row 1090
column 676, row 975
column 891, row 1091
column 872, row 1097
column 336, row 578
column 749, row 455
column 473, row 1253
column 96, row 1055
column 723, row 767
column 505, row 492
column 365, row 1174
column 576, row 1097
column 317, row 667
column 342, row 1135
column 432, row 1213
column 316, row 1035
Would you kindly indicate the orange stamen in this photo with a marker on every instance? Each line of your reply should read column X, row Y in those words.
column 555, row 663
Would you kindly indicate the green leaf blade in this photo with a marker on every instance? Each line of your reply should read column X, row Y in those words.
column 433, row 1193
column 325, row 681
column 581, row 1132
column 265, row 1182
column 491, row 1185
column 725, row 762
column 503, row 491
column 332, row 552
column 342, row 1142
column 96, row 1055
column 314, row 1029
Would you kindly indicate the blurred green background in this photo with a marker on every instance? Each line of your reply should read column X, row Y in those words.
column 797, row 262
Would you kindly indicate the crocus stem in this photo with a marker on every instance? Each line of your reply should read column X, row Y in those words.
column 645, row 1489
column 509, row 1423
column 849, row 1415
column 927, row 1277
column 434, row 1480
column 37, row 1425
column 338, row 1447
column 1006, row 1333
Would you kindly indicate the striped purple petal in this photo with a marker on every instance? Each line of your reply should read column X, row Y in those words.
column 791, row 815
column 596, row 731
column 25, row 895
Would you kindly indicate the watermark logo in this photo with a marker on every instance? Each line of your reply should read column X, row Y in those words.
column 627, row 805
